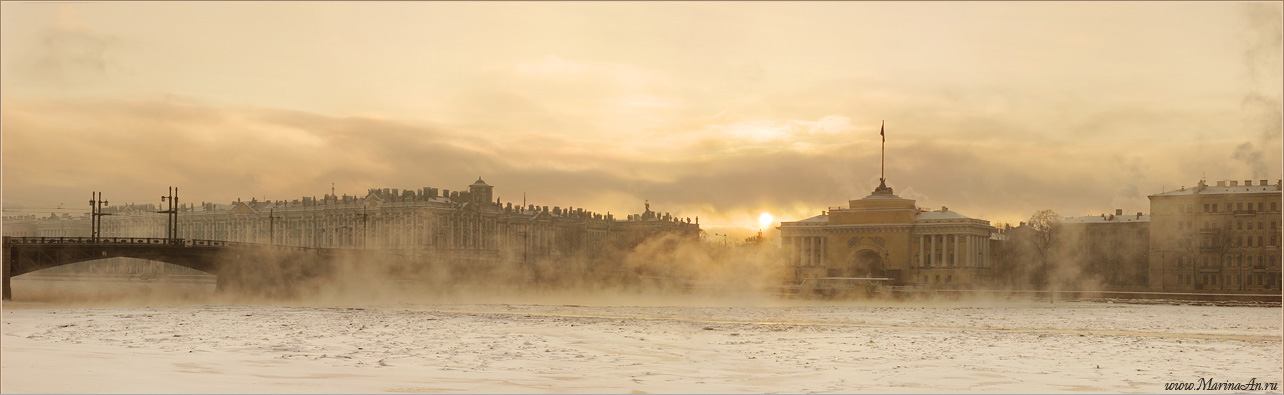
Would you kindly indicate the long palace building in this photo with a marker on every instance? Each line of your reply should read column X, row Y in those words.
column 464, row 224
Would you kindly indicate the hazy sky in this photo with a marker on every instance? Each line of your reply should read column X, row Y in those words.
column 720, row 110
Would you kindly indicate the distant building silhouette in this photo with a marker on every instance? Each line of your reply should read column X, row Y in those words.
column 53, row 225
column 1110, row 251
column 461, row 225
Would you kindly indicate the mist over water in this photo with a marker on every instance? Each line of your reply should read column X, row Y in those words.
column 666, row 270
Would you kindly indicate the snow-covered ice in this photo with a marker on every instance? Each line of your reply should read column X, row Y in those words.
column 919, row 347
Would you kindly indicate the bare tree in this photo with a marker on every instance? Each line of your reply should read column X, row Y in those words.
column 1220, row 246
column 1045, row 225
column 1188, row 246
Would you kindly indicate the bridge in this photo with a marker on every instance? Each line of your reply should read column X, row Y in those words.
column 228, row 261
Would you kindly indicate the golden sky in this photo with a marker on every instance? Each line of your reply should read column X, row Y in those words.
column 722, row 110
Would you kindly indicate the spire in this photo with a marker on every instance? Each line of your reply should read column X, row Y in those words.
column 882, row 163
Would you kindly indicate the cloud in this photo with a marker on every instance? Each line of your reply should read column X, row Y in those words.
column 1263, row 42
column 68, row 52
column 752, row 112
column 555, row 68
column 788, row 131
column 132, row 148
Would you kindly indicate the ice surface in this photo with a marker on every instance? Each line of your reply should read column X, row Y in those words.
column 531, row 348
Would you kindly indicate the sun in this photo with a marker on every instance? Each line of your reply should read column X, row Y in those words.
column 764, row 220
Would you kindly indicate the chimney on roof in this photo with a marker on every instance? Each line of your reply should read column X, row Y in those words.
column 1138, row 215
column 944, row 209
column 1234, row 183
column 1221, row 183
column 1262, row 183
column 1248, row 183
column 1119, row 211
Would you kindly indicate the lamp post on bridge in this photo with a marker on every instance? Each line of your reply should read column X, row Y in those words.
column 272, row 226
column 171, row 215
column 96, row 204
column 365, row 226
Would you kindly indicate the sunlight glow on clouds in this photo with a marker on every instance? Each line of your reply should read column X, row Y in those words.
column 718, row 110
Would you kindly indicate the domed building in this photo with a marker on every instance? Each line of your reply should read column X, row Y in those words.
column 887, row 238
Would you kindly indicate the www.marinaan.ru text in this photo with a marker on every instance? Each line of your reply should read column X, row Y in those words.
column 1210, row 385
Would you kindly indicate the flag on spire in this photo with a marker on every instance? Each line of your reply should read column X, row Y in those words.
column 881, row 130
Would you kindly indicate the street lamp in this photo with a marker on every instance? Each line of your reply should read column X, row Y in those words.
column 272, row 226
column 96, row 204
column 171, row 215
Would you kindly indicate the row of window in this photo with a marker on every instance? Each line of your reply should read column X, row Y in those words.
column 1239, row 225
column 1226, row 280
column 948, row 278
column 1242, row 261
column 1228, row 207
column 1242, row 241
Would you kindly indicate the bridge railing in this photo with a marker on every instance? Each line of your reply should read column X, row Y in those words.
column 158, row 241
column 92, row 240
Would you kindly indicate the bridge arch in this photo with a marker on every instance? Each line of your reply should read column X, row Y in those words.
column 225, row 260
column 119, row 266
column 26, row 260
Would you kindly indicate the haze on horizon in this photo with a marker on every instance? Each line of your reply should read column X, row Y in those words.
column 718, row 110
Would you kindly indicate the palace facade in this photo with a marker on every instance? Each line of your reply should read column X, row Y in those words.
column 463, row 225
column 886, row 236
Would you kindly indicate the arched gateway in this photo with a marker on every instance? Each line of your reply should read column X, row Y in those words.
column 863, row 264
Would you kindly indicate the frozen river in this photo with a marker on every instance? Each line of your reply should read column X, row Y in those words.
column 624, row 347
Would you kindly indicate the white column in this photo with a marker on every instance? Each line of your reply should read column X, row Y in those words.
column 976, row 256
column 811, row 250
column 921, row 242
column 793, row 251
column 954, row 255
column 942, row 260
column 958, row 250
column 975, row 252
column 797, row 248
column 802, row 253
column 985, row 251
column 945, row 251
column 822, row 250
column 932, row 248
column 971, row 251
column 807, row 252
